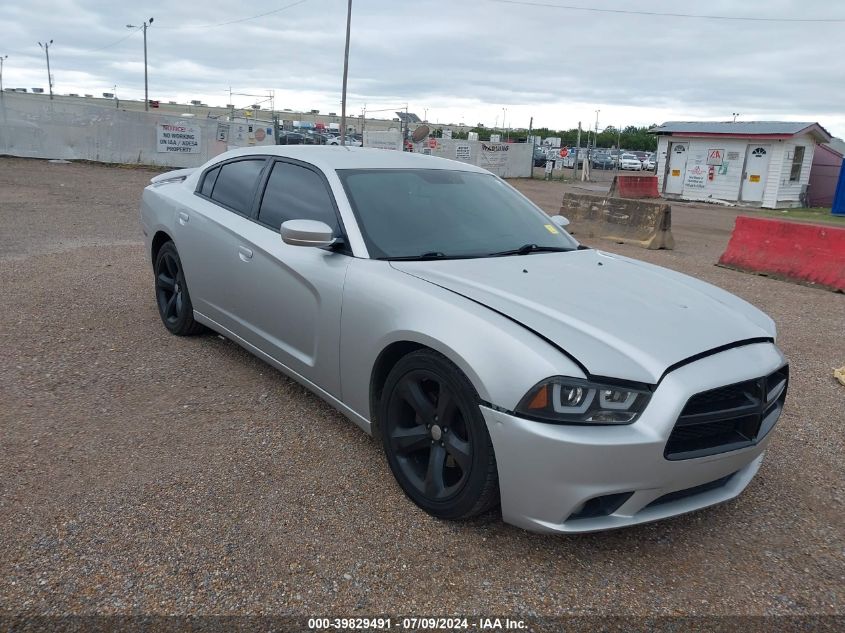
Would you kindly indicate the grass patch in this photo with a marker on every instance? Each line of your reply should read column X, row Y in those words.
column 820, row 215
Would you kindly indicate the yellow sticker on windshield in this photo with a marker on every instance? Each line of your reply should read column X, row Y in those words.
column 551, row 228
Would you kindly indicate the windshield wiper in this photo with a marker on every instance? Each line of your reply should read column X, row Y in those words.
column 525, row 249
column 424, row 256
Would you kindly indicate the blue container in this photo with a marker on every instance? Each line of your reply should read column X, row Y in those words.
column 838, row 207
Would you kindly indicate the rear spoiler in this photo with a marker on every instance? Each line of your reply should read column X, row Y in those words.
column 172, row 176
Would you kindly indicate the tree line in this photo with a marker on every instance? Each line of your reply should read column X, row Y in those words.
column 630, row 137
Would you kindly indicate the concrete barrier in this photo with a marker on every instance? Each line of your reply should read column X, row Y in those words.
column 811, row 253
column 635, row 187
column 640, row 222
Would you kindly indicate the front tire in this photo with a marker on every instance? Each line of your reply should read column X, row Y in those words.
column 172, row 296
column 435, row 437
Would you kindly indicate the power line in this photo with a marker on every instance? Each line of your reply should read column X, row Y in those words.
column 239, row 20
column 115, row 43
column 569, row 7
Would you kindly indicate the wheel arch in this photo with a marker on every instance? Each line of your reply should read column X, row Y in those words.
column 392, row 354
column 159, row 239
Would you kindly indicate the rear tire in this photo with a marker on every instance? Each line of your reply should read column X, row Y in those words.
column 435, row 437
column 172, row 296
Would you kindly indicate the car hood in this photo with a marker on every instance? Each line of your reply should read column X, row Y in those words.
column 616, row 316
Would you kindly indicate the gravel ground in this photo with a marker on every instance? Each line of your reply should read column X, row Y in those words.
column 144, row 473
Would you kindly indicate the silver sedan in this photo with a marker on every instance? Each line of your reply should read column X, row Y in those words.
column 497, row 360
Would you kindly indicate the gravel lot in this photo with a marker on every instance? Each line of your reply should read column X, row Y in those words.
column 144, row 473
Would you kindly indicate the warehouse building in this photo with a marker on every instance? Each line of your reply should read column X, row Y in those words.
column 754, row 163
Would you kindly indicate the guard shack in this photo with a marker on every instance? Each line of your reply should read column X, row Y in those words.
column 754, row 163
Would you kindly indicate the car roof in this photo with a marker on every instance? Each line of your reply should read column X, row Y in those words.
column 332, row 157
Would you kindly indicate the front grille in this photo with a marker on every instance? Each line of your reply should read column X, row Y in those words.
column 728, row 418
column 691, row 492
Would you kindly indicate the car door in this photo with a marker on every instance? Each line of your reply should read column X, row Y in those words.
column 290, row 296
column 207, row 234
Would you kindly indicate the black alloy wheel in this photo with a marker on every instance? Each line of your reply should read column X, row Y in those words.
column 435, row 437
column 172, row 297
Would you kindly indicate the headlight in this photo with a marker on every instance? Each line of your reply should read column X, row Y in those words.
column 575, row 401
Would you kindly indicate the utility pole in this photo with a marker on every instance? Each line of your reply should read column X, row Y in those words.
column 46, row 48
column 577, row 149
column 2, row 57
column 144, row 26
column 530, row 140
column 345, row 74
column 618, row 148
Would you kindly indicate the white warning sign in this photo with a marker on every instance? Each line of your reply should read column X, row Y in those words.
column 715, row 156
column 179, row 138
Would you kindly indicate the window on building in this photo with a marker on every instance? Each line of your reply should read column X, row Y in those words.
column 797, row 163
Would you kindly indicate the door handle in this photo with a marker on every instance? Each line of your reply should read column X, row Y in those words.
column 244, row 253
column 183, row 218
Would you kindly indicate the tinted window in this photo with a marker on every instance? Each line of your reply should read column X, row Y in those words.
column 408, row 212
column 236, row 183
column 295, row 193
column 208, row 182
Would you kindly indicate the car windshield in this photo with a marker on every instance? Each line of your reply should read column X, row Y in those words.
column 434, row 213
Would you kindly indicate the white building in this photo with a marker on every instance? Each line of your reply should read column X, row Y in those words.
column 755, row 163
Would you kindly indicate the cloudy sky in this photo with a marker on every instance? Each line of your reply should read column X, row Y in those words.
column 452, row 60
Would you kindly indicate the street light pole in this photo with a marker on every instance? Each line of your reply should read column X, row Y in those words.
column 144, row 26
column 345, row 74
column 1, row 72
column 46, row 48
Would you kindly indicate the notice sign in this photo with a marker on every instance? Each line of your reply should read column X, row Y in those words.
column 494, row 155
column 696, row 178
column 715, row 156
column 183, row 139
column 462, row 152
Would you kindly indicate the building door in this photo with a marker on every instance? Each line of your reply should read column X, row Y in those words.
column 676, row 168
column 756, row 169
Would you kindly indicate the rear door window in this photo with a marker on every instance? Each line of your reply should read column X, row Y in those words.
column 236, row 184
column 208, row 181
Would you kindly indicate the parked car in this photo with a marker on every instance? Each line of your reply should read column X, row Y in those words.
column 539, row 157
column 641, row 155
column 602, row 160
column 650, row 163
column 630, row 162
column 351, row 140
column 421, row 297
column 292, row 138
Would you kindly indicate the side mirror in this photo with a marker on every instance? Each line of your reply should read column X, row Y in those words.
column 307, row 233
column 561, row 221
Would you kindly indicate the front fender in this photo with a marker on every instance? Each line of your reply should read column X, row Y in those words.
column 382, row 306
